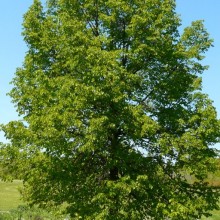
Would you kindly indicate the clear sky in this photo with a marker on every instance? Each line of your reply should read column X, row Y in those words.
column 12, row 47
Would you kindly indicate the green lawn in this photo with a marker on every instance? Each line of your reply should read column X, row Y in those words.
column 10, row 197
column 215, row 216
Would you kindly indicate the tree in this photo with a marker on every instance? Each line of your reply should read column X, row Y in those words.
column 114, row 122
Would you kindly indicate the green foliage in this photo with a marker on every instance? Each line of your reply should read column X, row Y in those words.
column 114, row 120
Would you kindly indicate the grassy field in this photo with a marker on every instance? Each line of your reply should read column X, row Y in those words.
column 9, row 194
column 215, row 216
column 12, row 207
column 10, row 198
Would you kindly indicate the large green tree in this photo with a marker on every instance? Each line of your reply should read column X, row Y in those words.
column 114, row 122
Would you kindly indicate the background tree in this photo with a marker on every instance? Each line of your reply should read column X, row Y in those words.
column 114, row 120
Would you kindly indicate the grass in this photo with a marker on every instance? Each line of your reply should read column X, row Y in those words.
column 215, row 216
column 12, row 207
column 9, row 194
column 10, row 199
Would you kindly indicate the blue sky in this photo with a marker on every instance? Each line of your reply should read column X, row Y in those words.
column 12, row 47
column 209, row 11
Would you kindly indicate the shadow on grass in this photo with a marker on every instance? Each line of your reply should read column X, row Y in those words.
column 34, row 213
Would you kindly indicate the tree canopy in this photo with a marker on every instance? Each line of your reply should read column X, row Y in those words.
column 114, row 122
